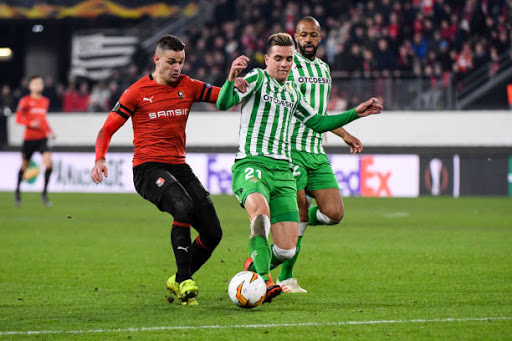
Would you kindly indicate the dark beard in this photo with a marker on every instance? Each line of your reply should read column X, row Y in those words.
column 307, row 54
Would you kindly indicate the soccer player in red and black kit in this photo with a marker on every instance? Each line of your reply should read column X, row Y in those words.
column 31, row 112
column 159, row 105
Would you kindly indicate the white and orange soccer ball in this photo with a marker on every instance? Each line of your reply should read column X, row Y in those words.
column 247, row 289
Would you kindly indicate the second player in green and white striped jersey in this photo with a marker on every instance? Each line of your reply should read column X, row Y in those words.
column 314, row 81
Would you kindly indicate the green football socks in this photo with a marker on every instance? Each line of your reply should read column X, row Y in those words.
column 313, row 220
column 260, row 254
column 287, row 267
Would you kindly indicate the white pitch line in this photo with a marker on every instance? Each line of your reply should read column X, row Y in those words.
column 240, row 326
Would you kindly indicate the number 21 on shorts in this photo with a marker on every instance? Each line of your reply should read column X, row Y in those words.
column 252, row 175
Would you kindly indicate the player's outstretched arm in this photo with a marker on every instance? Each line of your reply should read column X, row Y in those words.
column 227, row 98
column 322, row 124
column 113, row 122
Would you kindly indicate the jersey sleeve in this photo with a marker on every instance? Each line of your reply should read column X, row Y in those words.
column 204, row 92
column 303, row 111
column 127, row 103
column 21, row 112
column 113, row 122
column 254, row 78
column 122, row 111
column 229, row 96
column 319, row 123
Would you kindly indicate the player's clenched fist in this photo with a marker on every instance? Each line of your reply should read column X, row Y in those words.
column 237, row 66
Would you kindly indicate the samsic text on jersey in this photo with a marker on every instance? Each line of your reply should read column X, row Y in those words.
column 159, row 116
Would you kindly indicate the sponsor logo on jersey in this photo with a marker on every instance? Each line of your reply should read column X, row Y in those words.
column 160, row 182
column 150, row 99
column 277, row 101
column 313, row 80
column 37, row 111
column 180, row 94
column 168, row 113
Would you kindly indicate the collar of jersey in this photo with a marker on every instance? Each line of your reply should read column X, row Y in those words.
column 301, row 57
column 276, row 86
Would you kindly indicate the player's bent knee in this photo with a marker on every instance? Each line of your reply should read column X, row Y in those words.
column 283, row 254
column 212, row 237
column 330, row 218
column 178, row 204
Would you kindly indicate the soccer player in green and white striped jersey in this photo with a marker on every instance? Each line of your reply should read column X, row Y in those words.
column 262, row 177
column 312, row 169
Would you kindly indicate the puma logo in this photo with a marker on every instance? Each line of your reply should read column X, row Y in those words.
column 183, row 248
column 150, row 100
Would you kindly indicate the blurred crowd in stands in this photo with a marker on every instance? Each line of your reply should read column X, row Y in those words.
column 438, row 40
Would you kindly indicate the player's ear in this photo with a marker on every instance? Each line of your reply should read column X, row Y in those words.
column 156, row 58
column 266, row 59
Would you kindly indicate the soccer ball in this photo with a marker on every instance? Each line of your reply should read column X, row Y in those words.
column 247, row 289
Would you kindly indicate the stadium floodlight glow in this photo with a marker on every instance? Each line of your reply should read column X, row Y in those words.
column 5, row 53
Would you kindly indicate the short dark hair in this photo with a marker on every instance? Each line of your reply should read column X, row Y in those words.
column 279, row 39
column 31, row 78
column 310, row 20
column 170, row 42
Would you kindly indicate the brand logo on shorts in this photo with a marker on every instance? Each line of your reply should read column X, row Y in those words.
column 160, row 182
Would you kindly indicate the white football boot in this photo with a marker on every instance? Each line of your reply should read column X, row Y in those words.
column 292, row 286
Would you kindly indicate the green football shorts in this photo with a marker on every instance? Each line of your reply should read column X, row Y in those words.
column 313, row 171
column 271, row 178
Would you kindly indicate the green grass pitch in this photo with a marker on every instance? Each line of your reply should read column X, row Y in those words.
column 94, row 266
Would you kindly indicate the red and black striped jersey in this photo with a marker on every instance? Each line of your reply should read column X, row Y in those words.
column 34, row 109
column 159, row 116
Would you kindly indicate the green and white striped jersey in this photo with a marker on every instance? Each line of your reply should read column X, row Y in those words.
column 313, row 78
column 267, row 108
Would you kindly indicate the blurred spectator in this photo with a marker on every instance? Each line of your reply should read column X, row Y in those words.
column 369, row 64
column 405, row 61
column 419, row 45
column 54, row 93
column 444, row 56
column 502, row 43
column 385, row 58
column 130, row 77
column 495, row 61
column 480, row 57
column 6, row 109
column 115, row 93
column 464, row 59
column 76, row 101
column 8, row 102
column 354, row 61
column 99, row 98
